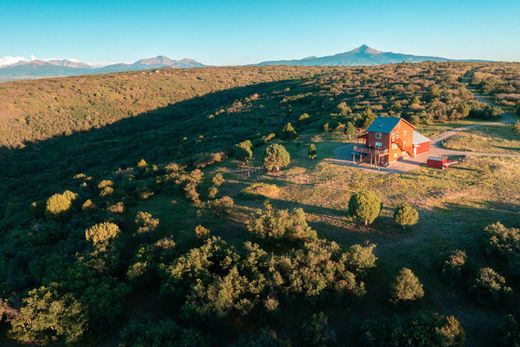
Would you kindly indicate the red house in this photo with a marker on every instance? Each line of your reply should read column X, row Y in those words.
column 388, row 139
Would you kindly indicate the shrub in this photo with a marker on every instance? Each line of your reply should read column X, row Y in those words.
column 201, row 232
column 142, row 164
column 102, row 234
column 490, row 285
column 244, row 150
column 304, row 118
column 510, row 332
column 516, row 127
column 312, row 151
column 343, row 109
column 268, row 137
column 406, row 215
column 273, row 223
column 145, row 222
column 423, row 329
column 147, row 332
column 364, row 206
column 454, row 266
column 263, row 338
column 350, row 130
column 406, row 287
column 276, row 157
column 505, row 242
column 360, row 258
column 59, row 204
column 222, row 206
column 218, row 180
column 46, row 316
column 317, row 332
column 288, row 132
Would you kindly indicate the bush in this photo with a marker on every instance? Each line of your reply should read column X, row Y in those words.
column 406, row 215
column 277, row 224
column 148, row 332
column 424, row 329
column 510, row 332
column 244, row 150
column 317, row 332
column 102, row 234
column 505, row 242
column 350, row 130
column 516, row 127
column 263, row 338
column 454, row 266
column 145, row 222
column 45, row 317
column 406, row 287
column 59, row 204
column 364, row 206
column 312, row 151
column 490, row 285
column 360, row 258
column 201, row 232
column 304, row 118
column 222, row 206
column 276, row 157
column 288, row 132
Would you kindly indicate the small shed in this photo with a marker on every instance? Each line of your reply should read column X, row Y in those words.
column 436, row 162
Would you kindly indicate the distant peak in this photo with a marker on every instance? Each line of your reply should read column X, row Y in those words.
column 365, row 49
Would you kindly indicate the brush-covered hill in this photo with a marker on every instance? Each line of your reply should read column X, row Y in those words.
column 138, row 208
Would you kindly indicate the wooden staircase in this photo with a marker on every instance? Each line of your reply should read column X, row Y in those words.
column 401, row 145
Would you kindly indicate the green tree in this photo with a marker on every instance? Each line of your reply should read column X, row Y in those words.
column 288, row 132
column 276, row 157
column 490, row 285
column 145, row 222
column 364, row 206
column 312, row 151
column 505, row 242
column 406, row 287
column 454, row 266
column 406, row 215
column 368, row 117
column 317, row 331
column 244, row 150
column 343, row 109
column 60, row 204
column 46, row 316
column 276, row 224
column 304, row 118
column 516, row 127
column 102, row 234
column 350, row 130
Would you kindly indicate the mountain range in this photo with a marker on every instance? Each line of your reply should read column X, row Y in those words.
column 54, row 68
column 362, row 55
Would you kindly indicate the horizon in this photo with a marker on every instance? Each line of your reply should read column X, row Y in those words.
column 101, row 33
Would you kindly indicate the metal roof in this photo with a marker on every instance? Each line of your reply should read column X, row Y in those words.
column 419, row 138
column 383, row 124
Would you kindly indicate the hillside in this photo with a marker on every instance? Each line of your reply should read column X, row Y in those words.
column 139, row 206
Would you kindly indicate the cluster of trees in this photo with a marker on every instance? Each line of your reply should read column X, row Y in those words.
column 486, row 283
column 500, row 81
column 365, row 207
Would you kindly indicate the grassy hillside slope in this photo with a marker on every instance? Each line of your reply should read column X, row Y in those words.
column 104, row 222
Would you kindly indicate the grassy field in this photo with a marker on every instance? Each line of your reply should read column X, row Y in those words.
column 493, row 139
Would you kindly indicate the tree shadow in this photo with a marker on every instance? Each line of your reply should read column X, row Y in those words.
column 177, row 132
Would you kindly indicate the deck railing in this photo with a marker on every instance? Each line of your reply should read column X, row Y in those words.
column 368, row 150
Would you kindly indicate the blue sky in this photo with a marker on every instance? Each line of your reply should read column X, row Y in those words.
column 228, row 32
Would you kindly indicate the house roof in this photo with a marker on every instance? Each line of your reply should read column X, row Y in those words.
column 385, row 124
column 419, row 138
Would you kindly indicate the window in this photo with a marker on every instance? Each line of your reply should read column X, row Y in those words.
column 394, row 146
column 404, row 132
column 379, row 136
column 379, row 144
